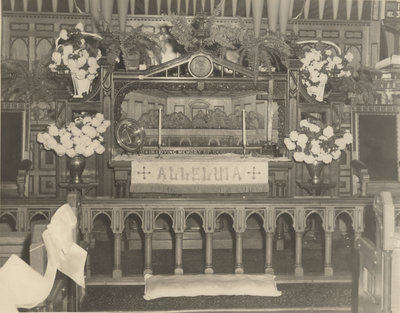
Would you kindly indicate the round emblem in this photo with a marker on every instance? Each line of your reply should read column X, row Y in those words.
column 200, row 66
column 130, row 135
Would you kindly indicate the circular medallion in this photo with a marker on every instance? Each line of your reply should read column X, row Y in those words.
column 130, row 135
column 200, row 66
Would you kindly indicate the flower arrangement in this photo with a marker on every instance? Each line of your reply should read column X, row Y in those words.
column 320, row 65
column 81, row 137
column 313, row 144
column 77, row 52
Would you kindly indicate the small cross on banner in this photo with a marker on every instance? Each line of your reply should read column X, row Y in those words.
column 144, row 172
column 254, row 173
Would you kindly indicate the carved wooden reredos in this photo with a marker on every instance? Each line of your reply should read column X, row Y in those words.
column 210, row 102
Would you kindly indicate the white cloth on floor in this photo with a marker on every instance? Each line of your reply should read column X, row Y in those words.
column 23, row 287
column 159, row 286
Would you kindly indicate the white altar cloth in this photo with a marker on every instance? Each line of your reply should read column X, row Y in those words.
column 227, row 173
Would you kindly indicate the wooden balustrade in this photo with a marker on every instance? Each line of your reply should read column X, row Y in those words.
column 208, row 209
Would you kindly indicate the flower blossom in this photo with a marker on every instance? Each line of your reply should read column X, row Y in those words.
column 290, row 145
column 348, row 138
column 302, row 138
column 293, row 135
column 299, row 156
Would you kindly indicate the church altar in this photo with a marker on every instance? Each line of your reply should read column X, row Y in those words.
column 225, row 173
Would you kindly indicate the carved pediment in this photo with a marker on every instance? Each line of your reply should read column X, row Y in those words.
column 198, row 65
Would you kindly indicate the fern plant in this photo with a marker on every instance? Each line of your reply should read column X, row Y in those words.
column 35, row 84
column 145, row 44
column 266, row 52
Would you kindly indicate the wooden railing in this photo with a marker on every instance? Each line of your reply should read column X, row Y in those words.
column 209, row 209
column 379, row 261
column 148, row 210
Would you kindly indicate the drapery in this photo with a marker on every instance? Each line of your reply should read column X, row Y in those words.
column 23, row 287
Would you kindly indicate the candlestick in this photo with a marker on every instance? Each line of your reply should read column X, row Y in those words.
column 244, row 129
column 159, row 127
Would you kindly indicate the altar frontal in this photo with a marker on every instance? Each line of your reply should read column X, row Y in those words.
column 200, row 175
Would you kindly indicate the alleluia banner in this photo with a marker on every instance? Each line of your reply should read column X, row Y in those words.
column 202, row 174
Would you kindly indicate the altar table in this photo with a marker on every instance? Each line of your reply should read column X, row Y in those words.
column 227, row 173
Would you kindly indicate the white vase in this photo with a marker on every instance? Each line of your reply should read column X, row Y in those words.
column 319, row 96
column 81, row 86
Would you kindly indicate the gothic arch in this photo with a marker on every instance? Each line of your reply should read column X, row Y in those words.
column 101, row 213
column 254, row 212
column 285, row 212
column 196, row 214
column 131, row 213
column 340, row 212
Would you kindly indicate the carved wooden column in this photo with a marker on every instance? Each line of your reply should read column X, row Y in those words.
column 280, row 241
column 239, row 253
column 298, row 270
column 179, row 226
column 239, row 224
column 328, row 270
column 299, row 225
column 269, row 228
column 22, row 219
column 178, row 253
column 209, row 227
column 329, row 227
column 268, row 253
column 147, row 227
column 148, row 249
column 116, row 224
column 117, row 271
column 209, row 250
column 105, row 175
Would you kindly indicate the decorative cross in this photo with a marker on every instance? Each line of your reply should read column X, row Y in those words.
column 144, row 173
column 254, row 172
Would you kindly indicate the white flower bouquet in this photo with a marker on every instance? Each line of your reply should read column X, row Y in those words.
column 313, row 144
column 320, row 65
column 81, row 137
column 76, row 52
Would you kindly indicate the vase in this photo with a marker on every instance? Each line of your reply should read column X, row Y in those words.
column 335, row 83
column 76, row 165
column 81, row 86
column 315, row 170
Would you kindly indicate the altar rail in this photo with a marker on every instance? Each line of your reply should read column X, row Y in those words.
column 208, row 209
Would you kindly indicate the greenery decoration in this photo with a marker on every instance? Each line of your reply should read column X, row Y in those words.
column 29, row 84
column 265, row 53
column 147, row 45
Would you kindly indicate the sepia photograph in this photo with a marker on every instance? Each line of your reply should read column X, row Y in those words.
column 200, row 156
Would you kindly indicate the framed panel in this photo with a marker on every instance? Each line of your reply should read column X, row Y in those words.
column 47, row 160
column 47, row 184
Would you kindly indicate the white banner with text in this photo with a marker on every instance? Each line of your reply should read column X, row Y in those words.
column 186, row 175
